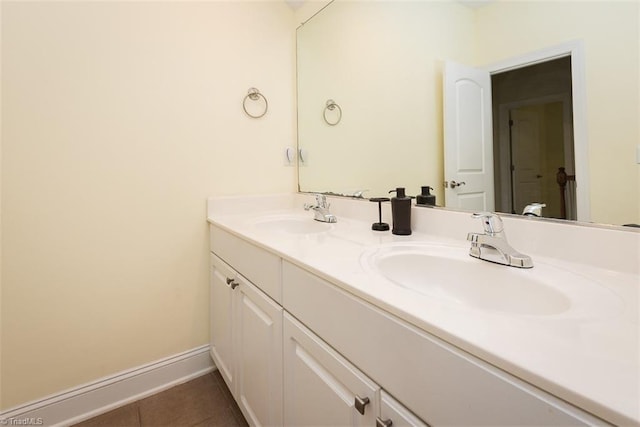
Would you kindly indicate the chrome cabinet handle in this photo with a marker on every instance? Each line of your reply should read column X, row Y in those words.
column 383, row 423
column 232, row 283
column 360, row 403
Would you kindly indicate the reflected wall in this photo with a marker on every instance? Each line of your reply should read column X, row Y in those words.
column 363, row 56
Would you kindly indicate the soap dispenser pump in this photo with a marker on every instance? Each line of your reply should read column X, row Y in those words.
column 401, row 212
column 426, row 198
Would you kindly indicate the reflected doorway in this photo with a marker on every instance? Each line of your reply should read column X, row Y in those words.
column 533, row 138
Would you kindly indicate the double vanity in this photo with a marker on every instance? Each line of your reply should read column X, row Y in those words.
column 334, row 324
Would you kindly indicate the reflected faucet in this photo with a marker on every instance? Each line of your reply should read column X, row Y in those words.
column 492, row 246
column 321, row 209
column 533, row 209
column 359, row 194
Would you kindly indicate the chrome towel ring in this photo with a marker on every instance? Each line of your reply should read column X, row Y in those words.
column 331, row 106
column 255, row 95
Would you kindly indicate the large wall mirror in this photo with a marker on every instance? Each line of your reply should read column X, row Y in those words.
column 371, row 100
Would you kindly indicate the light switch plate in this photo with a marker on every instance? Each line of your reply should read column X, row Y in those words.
column 303, row 155
column 289, row 156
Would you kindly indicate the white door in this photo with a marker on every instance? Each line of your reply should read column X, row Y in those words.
column 468, row 139
column 526, row 166
column 320, row 387
column 259, row 377
column 221, row 319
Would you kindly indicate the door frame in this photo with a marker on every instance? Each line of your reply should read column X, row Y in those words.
column 574, row 49
column 506, row 193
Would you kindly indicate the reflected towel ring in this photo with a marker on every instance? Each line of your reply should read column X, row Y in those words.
column 331, row 105
column 254, row 95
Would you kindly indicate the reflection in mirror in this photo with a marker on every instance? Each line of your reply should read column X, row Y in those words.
column 384, row 61
column 533, row 138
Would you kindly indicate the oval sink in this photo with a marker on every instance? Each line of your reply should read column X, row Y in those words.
column 451, row 275
column 292, row 224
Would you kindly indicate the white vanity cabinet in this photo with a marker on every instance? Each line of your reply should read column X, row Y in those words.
column 297, row 350
column 440, row 383
column 246, row 343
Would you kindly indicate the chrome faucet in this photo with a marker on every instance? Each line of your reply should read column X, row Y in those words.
column 493, row 246
column 321, row 209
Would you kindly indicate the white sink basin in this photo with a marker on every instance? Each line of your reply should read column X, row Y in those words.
column 450, row 275
column 292, row 224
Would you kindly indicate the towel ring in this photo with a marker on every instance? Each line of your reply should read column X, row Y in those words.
column 330, row 106
column 254, row 95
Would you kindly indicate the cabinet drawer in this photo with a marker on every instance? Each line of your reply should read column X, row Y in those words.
column 393, row 413
column 321, row 387
column 438, row 382
column 262, row 268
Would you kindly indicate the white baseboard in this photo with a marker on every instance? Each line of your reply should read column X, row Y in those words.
column 95, row 398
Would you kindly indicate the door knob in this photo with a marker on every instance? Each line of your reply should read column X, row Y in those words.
column 455, row 184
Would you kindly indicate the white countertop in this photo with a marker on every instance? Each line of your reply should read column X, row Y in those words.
column 588, row 355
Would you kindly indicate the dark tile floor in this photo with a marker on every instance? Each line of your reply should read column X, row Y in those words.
column 202, row 402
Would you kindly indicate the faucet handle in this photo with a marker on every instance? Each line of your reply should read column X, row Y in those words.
column 491, row 222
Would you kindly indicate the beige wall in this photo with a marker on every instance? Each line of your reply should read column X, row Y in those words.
column 609, row 30
column 120, row 119
column 1, row 405
column 307, row 8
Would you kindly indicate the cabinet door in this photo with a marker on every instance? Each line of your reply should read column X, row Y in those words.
column 259, row 340
column 393, row 413
column 221, row 319
column 321, row 388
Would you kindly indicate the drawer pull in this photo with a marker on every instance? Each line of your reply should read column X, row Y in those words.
column 232, row 282
column 360, row 403
column 383, row 423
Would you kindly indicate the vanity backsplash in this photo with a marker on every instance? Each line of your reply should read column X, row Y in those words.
column 612, row 248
